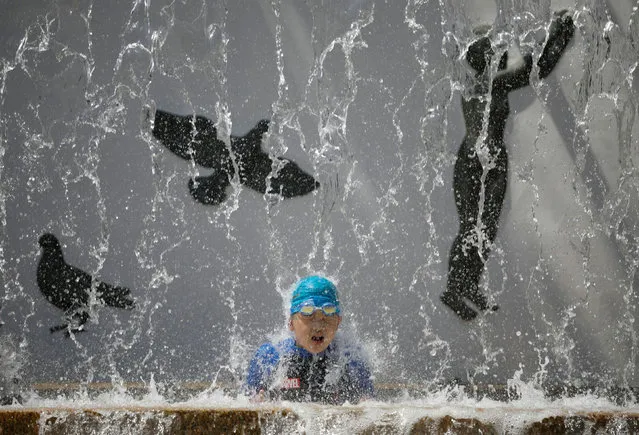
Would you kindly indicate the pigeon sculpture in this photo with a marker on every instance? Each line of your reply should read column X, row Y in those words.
column 195, row 138
column 68, row 287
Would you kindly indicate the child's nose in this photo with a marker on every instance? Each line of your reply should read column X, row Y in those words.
column 319, row 317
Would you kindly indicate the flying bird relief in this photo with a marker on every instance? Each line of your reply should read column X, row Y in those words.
column 195, row 138
column 69, row 288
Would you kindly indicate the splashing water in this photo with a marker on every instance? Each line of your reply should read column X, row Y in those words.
column 365, row 96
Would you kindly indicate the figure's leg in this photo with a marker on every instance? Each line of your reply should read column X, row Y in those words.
column 464, row 264
column 473, row 270
column 494, row 193
column 463, row 276
column 455, row 302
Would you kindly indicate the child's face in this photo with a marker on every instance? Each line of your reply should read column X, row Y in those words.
column 315, row 332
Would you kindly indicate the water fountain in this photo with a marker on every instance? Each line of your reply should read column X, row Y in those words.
column 365, row 96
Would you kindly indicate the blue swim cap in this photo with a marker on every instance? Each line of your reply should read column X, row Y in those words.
column 315, row 289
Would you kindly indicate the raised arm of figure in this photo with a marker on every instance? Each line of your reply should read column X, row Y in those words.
column 560, row 34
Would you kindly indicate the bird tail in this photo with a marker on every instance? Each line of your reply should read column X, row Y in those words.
column 118, row 297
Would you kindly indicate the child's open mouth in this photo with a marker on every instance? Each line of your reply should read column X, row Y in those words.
column 317, row 338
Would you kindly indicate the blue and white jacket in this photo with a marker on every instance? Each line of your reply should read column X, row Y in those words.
column 285, row 371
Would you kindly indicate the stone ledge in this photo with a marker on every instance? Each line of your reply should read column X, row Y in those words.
column 352, row 420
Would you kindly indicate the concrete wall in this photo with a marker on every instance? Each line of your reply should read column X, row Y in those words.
column 282, row 420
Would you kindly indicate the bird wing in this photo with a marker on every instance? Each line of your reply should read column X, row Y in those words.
column 69, row 286
column 251, row 143
column 117, row 297
column 191, row 138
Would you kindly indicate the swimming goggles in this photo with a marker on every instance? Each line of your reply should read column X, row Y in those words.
column 308, row 308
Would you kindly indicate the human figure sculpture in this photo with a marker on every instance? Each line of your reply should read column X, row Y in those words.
column 481, row 169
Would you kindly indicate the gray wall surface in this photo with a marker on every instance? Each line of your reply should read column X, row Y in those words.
column 365, row 95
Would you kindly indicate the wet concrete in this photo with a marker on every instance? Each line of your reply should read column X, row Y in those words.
column 356, row 420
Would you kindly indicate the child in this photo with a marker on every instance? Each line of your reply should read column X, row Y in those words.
column 315, row 364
